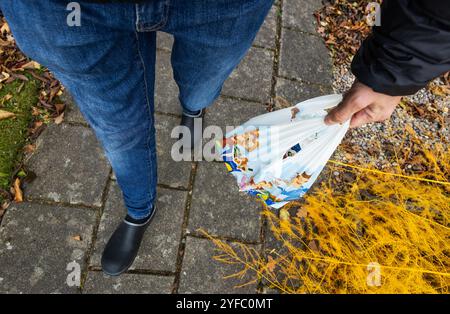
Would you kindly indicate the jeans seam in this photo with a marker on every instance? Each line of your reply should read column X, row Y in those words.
column 156, row 26
column 145, row 86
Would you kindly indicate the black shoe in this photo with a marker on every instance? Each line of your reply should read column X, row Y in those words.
column 195, row 125
column 123, row 246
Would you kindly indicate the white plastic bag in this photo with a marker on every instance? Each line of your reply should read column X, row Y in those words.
column 278, row 155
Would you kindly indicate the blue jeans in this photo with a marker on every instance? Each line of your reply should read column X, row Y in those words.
column 108, row 65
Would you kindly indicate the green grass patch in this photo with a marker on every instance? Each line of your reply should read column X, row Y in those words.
column 13, row 131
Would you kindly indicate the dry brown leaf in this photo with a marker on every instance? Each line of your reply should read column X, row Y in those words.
column 440, row 90
column 77, row 237
column 31, row 65
column 36, row 128
column 5, row 205
column 271, row 263
column 7, row 97
column 59, row 107
column 59, row 119
column 20, row 77
column 313, row 246
column 37, row 124
column 281, row 102
column 35, row 111
column 348, row 156
column 10, row 79
column 294, row 112
column 29, row 148
column 18, row 195
column 5, row 114
column 5, row 28
column 4, row 76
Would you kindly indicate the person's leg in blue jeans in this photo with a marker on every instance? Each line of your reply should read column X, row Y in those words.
column 210, row 38
column 108, row 67
column 107, row 64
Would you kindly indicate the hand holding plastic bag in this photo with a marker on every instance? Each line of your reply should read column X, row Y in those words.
column 278, row 155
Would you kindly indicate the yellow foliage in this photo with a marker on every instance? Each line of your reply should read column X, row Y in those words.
column 335, row 240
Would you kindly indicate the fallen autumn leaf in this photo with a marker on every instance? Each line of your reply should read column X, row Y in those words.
column 18, row 195
column 5, row 114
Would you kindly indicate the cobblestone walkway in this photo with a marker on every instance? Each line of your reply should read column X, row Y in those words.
column 74, row 203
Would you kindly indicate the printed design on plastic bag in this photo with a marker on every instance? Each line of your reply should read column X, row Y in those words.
column 277, row 156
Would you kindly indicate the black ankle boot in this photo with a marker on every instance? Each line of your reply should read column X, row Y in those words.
column 194, row 122
column 123, row 246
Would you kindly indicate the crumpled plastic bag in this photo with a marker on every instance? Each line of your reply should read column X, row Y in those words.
column 277, row 156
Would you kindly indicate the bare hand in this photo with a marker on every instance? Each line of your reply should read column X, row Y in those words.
column 363, row 105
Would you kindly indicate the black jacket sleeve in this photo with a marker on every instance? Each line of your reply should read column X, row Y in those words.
column 409, row 48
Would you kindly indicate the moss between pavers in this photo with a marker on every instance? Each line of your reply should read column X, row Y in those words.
column 13, row 131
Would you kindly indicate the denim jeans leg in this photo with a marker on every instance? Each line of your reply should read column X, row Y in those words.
column 210, row 39
column 109, row 69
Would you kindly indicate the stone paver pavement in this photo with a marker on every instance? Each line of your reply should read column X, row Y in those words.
column 38, row 242
column 97, row 282
column 219, row 208
column 56, row 236
column 200, row 273
column 70, row 166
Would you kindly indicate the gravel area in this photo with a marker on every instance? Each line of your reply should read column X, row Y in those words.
column 374, row 143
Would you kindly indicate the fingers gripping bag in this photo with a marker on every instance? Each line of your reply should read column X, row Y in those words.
column 277, row 156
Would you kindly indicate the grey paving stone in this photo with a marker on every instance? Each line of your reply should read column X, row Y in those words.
column 166, row 90
column 232, row 112
column 271, row 243
column 99, row 283
column 37, row 242
column 70, row 166
column 170, row 172
column 268, row 32
column 72, row 113
column 296, row 91
column 200, row 273
column 268, row 290
column 219, row 208
column 304, row 57
column 253, row 76
column 164, row 41
column 299, row 14
column 159, row 248
column 229, row 113
column 275, row 246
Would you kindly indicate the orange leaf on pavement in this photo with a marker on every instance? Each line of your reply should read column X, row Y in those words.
column 271, row 263
column 18, row 195
column 77, row 237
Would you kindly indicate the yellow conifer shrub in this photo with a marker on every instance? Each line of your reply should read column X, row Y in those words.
column 383, row 232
